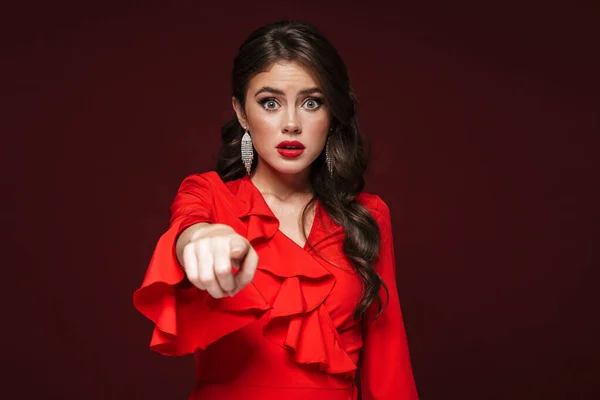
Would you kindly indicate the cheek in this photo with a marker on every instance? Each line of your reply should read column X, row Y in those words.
column 316, row 128
column 263, row 132
column 265, row 127
column 318, row 122
column 260, row 121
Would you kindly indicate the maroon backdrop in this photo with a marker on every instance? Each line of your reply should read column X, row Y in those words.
column 484, row 122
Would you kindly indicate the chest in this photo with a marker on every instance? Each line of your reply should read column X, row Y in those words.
column 290, row 220
column 345, row 295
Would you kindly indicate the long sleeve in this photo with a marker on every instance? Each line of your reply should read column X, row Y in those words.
column 385, row 366
column 173, row 308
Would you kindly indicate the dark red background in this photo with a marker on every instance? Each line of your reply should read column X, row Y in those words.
column 484, row 121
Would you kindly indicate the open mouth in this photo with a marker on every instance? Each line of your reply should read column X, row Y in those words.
column 290, row 152
column 290, row 145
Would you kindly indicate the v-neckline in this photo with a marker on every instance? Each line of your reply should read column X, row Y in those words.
column 310, row 232
column 312, row 227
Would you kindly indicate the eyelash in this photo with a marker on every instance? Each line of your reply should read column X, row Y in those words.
column 317, row 100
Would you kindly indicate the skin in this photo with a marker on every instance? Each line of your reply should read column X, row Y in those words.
column 285, row 102
column 291, row 108
column 291, row 115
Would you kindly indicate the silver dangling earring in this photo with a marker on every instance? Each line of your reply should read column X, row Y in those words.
column 247, row 151
column 328, row 157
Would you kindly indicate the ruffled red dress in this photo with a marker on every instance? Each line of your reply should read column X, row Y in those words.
column 290, row 333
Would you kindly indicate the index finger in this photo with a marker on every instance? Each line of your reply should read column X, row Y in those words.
column 239, row 247
column 246, row 273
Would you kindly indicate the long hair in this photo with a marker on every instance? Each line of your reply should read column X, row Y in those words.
column 304, row 44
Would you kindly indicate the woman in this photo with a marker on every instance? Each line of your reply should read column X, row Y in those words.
column 277, row 271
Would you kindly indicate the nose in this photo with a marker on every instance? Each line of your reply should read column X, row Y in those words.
column 291, row 123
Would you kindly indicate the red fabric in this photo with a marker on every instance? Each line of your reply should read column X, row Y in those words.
column 290, row 332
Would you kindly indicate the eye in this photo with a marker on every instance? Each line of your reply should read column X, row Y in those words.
column 269, row 103
column 313, row 103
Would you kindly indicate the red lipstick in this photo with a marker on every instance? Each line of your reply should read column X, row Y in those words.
column 290, row 149
column 288, row 143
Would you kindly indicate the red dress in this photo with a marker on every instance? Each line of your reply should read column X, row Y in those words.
column 290, row 333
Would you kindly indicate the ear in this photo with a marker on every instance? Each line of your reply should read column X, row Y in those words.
column 239, row 111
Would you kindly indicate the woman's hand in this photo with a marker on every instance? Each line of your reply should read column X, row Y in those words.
column 210, row 256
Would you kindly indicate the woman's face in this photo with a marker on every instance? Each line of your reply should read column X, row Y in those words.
column 285, row 103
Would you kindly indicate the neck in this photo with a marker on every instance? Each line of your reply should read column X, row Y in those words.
column 283, row 186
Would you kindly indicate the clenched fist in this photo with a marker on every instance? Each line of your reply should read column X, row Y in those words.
column 216, row 259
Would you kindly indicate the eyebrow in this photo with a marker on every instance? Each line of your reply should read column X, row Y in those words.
column 270, row 89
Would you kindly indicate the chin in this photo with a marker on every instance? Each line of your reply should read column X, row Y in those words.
column 289, row 167
column 291, row 170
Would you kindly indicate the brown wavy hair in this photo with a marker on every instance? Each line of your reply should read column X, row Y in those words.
column 350, row 153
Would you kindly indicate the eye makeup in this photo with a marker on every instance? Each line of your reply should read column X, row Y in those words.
column 272, row 104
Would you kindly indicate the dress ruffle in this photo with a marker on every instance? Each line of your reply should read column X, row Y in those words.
column 289, row 294
column 297, row 318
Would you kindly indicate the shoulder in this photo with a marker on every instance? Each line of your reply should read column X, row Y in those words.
column 375, row 205
column 209, row 186
column 196, row 187
column 205, row 183
column 200, row 178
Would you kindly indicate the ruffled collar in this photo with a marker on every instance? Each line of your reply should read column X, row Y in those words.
column 249, row 205
column 251, row 199
column 297, row 318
